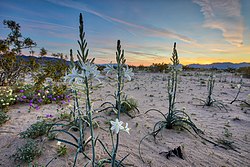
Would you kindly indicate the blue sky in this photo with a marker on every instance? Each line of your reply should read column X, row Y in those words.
column 206, row 31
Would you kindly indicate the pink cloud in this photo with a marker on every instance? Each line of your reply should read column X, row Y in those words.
column 224, row 15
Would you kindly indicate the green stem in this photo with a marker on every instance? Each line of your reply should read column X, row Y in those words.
column 118, row 98
column 169, row 97
column 89, row 112
column 236, row 96
column 80, row 141
column 175, row 88
column 237, row 93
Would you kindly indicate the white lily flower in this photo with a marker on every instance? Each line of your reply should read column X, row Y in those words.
column 116, row 126
column 78, row 76
column 109, row 69
column 127, row 128
column 238, row 86
column 90, row 70
column 72, row 75
column 128, row 73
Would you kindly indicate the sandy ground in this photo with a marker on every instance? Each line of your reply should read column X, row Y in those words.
column 150, row 92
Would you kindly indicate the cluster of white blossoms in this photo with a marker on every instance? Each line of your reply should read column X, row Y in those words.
column 88, row 70
column 126, row 72
column 116, row 126
column 175, row 67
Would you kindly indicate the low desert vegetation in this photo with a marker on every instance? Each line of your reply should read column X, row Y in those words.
column 37, row 129
column 3, row 117
column 210, row 100
column 28, row 152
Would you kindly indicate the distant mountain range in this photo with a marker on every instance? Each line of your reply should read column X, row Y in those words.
column 52, row 59
column 221, row 66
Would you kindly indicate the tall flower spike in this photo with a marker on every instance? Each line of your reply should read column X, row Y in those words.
column 174, row 58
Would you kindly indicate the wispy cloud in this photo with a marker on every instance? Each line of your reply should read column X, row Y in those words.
column 143, row 54
column 20, row 9
column 45, row 23
column 224, row 15
column 155, row 31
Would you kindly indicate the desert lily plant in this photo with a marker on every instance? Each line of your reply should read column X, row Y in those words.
column 116, row 126
column 210, row 101
column 239, row 86
column 123, row 73
column 81, row 74
column 174, row 117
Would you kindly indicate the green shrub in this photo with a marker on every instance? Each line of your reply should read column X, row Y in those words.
column 128, row 106
column 245, row 71
column 3, row 117
column 35, row 130
column 54, row 70
column 28, row 152
column 65, row 116
column 12, row 66
column 62, row 150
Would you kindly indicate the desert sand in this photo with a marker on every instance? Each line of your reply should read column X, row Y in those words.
column 149, row 89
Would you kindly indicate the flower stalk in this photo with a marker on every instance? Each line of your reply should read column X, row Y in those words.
column 82, row 73
column 120, row 63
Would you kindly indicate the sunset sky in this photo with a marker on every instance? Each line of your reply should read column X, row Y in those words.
column 206, row 31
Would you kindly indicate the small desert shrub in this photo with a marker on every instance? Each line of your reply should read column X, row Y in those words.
column 129, row 104
column 28, row 152
column 35, row 130
column 52, row 136
column 159, row 67
column 61, row 150
column 12, row 66
column 7, row 97
column 53, row 70
column 3, row 117
column 35, row 164
column 245, row 71
column 227, row 133
column 65, row 116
